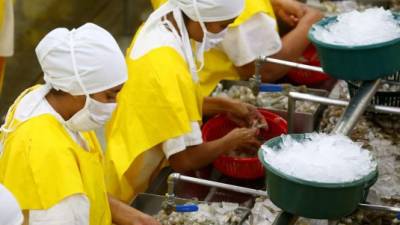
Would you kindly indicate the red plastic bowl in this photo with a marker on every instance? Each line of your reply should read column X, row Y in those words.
column 241, row 168
column 306, row 77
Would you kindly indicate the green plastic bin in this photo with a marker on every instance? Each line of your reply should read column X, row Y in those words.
column 312, row 199
column 368, row 62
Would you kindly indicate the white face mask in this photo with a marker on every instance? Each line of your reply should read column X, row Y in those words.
column 211, row 40
column 92, row 116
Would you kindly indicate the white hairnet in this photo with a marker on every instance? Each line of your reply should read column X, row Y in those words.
column 197, row 10
column 210, row 10
column 10, row 212
column 82, row 61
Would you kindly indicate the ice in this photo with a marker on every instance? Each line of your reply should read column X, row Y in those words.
column 355, row 28
column 321, row 158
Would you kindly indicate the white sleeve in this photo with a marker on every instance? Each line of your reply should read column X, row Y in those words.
column 7, row 30
column 73, row 210
column 255, row 37
column 176, row 145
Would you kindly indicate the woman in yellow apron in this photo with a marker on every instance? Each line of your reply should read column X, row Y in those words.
column 160, row 107
column 254, row 33
column 50, row 158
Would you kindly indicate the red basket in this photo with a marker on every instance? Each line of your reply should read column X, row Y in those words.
column 306, row 77
column 241, row 168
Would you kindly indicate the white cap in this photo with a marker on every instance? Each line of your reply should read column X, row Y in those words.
column 86, row 58
column 210, row 10
column 10, row 212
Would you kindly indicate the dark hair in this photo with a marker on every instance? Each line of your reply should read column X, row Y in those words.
column 57, row 92
column 186, row 18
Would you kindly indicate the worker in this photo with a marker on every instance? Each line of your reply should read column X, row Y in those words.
column 160, row 107
column 10, row 212
column 50, row 158
column 6, row 36
column 255, row 33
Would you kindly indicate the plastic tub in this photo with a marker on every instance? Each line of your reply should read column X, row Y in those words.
column 241, row 168
column 312, row 199
column 368, row 62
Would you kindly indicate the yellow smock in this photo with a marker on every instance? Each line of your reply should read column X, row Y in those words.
column 217, row 65
column 158, row 102
column 42, row 165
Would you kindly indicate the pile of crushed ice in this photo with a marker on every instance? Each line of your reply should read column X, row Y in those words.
column 321, row 158
column 355, row 28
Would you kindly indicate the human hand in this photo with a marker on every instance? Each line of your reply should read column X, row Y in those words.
column 311, row 16
column 243, row 138
column 245, row 115
column 289, row 11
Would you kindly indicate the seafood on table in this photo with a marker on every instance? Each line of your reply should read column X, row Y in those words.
column 361, row 217
column 274, row 100
column 264, row 212
column 333, row 7
column 384, row 87
column 389, row 88
column 216, row 213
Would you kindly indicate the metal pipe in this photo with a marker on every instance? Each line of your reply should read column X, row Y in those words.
column 177, row 176
column 171, row 184
column 317, row 99
column 255, row 81
column 291, row 112
column 337, row 102
column 379, row 208
column 295, row 96
column 169, row 205
column 291, row 64
column 357, row 105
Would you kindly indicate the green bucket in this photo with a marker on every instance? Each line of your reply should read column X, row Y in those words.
column 367, row 62
column 312, row 199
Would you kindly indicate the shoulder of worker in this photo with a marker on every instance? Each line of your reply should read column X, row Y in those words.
column 42, row 132
column 40, row 152
column 156, row 38
column 253, row 7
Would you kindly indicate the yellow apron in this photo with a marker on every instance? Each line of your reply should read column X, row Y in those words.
column 158, row 102
column 217, row 65
column 42, row 165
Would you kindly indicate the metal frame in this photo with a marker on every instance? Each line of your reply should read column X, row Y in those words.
column 355, row 108
column 294, row 96
column 176, row 176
